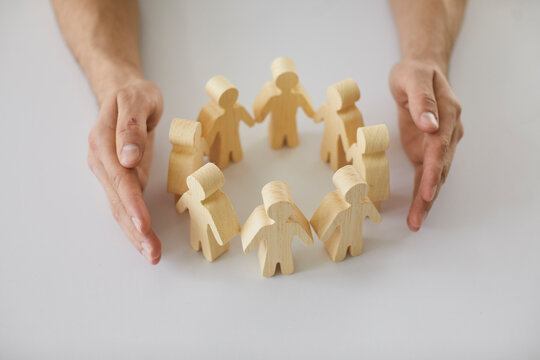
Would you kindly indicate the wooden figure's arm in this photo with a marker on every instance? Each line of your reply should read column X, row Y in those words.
column 207, row 118
column 372, row 212
column 325, row 219
column 182, row 204
column 320, row 113
column 352, row 151
column 222, row 218
column 304, row 100
column 245, row 116
column 252, row 230
column 302, row 234
column 204, row 147
column 264, row 101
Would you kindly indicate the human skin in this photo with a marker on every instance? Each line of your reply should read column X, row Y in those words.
column 104, row 38
column 429, row 114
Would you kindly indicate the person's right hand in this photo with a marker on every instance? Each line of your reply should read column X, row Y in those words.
column 120, row 152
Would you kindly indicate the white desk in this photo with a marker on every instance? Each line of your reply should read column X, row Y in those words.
column 467, row 286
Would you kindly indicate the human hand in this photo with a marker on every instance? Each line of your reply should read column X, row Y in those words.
column 430, row 128
column 120, row 152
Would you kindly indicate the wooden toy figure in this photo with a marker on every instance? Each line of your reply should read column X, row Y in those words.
column 368, row 156
column 213, row 220
column 187, row 154
column 220, row 119
column 341, row 119
column 273, row 226
column 282, row 97
column 338, row 219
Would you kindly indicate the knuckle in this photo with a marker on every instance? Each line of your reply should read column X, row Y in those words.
column 460, row 130
column 444, row 174
column 117, row 180
column 428, row 100
column 457, row 107
column 116, row 209
column 91, row 163
column 130, row 127
column 444, row 144
column 92, row 137
column 125, row 96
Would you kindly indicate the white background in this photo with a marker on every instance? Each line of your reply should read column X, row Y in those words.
column 467, row 286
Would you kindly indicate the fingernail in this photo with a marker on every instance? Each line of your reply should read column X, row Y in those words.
column 130, row 154
column 137, row 223
column 429, row 120
column 146, row 251
column 433, row 192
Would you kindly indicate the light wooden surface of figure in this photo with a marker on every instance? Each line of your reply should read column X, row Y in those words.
column 273, row 226
column 341, row 119
column 282, row 97
column 220, row 119
column 338, row 219
column 187, row 154
column 213, row 219
column 368, row 156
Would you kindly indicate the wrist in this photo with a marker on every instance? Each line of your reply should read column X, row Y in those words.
column 434, row 59
column 110, row 75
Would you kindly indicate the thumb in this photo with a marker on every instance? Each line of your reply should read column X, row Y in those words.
column 131, row 133
column 422, row 105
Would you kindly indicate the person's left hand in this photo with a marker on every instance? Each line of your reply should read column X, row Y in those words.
column 430, row 128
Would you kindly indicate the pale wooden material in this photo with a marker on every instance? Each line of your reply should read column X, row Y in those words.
column 220, row 119
column 187, row 154
column 281, row 98
column 213, row 220
column 273, row 226
column 341, row 119
column 338, row 219
column 368, row 156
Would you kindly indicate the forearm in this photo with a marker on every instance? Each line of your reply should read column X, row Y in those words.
column 428, row 28
column 104, row 38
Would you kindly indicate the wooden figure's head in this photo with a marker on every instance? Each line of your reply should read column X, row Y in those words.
column 185, row 134
column 205, row 181
column 371, row 139
column 284, row 73
column 350, row 184
column 222, row 91
column 277, row 201
column 343, row 94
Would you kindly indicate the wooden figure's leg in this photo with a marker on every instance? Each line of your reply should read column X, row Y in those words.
column 291, row 138
column 341, row 156
column 211, row 249
column 194, row 236
column 236, row 154
column 357, row 245
column 213, row 156
column 223, row 159
column 335, row 247
column 325, row 145
column 287, row 264
column 268, row 266
column 277, row 141
column 377, row 205
column 334, row 159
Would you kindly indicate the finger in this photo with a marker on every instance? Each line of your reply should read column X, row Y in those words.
column 416, row 211
column 422, row 101
column 124, row 181
column 439, row 147
column 131, row 128
column 128, row 227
